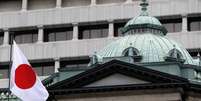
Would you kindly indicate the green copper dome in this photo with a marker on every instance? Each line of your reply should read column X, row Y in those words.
column 144, row 39
column 143, row 20
column 152, row 48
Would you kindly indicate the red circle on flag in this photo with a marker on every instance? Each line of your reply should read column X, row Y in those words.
column 25, row 77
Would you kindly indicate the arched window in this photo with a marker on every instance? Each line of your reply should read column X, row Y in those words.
column 174, row 53
column 197, row 75
column 130, row 51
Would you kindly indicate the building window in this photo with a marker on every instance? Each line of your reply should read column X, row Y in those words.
column 194, row 23
column 4, row 71
column 194, row 52
column 41, row 4
column 110, row 1
column 197, row 75
column 75, row 64
column 93, row 31
column 1, row 38
column 29, row 36
column 44, row 68
column 70, row 3
column 117, row 29
column 174, row 53
column 10, row 5
column 134, row 51
column 58, row 34
column 172, row 25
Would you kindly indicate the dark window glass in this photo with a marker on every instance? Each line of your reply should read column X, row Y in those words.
column 193, row 54
column 4, row 71
column 75, row 64
column 44, row 69
column 117, row 28
column 194, row 23
column 1, row 38
column 29, row 36
column 58, row 34
column 172, row 25
column 109, row 1
column 93, row 31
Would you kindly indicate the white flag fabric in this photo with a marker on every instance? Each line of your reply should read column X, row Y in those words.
column 24, row 83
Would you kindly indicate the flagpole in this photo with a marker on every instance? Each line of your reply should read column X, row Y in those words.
column 10, row 64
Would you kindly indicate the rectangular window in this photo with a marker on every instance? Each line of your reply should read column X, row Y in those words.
column 117, row 29
column 194, row 23
column 41, row 4
column 172, row 25
column 4, row 71
column 110, row 1
column 44, row 68
column 29, row 36
column 70, row 3
column 1, row 38
column 58, row 34
column 10, row 5
column 93, row 31
column 75, row 64
column 194, row 52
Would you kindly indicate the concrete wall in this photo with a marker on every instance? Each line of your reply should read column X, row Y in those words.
column 116, row 79
column 86, row 47
column 124, row 96
column 97, row 13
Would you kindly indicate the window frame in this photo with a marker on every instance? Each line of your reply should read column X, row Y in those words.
column 103, row 28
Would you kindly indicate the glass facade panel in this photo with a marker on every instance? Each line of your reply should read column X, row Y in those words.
column 75, row 64
column 117, row 28
column 195, row 26
column 172, row 25
column 169, row 27
column 4, row 71
column 70, row 3
column 194, row 23
column 44, row 68
column 58, row 34
column 109, row 1
column 1, row 38
column 38, row 71
column 93, row 31
column 30, row 36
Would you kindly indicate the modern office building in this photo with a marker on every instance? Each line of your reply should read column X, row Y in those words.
column 56, row 34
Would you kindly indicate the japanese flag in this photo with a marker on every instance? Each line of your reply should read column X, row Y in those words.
column 24, row 83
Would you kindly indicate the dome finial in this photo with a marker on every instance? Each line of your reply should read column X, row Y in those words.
column 144, row 5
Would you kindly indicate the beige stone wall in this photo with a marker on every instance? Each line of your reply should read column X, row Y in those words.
column 125, row 96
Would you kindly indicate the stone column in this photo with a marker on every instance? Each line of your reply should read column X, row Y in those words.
column 184, row 23
column 24, row 5
column 75, row 31
column 40, row 33
column 111, row 29
column 58, row 3
column 93, row 2
column 128, row 1
column 56, row 64
column 6, row 36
